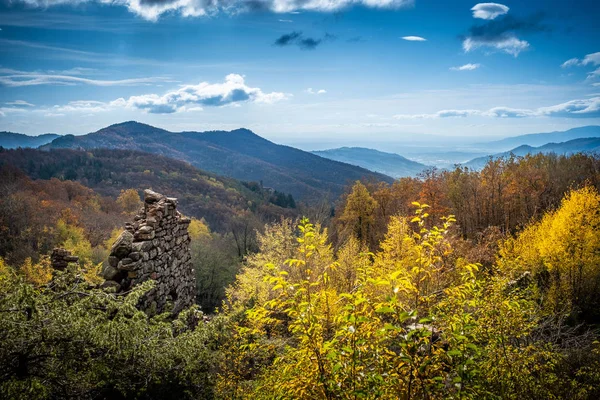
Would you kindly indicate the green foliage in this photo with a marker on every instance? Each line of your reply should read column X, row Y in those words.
column 70, row 340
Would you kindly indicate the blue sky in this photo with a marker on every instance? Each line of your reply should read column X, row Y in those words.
column 301, row 71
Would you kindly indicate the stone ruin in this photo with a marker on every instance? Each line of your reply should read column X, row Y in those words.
column 155, row 246
column 60, row 258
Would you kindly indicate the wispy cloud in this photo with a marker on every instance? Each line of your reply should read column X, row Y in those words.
column 592, row 59
column 15, row 78
column 466, row 67
column 285, row 20
column 19, row 103
column 489, row 10
column 414, row 38
column 580, row 108
column 153, row 9
column 570, row 63
column 54, row 52
column 313, row 91
column 508, row 44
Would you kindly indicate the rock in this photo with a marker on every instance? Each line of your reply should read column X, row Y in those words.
column 151, row 196
column 113, row 261
column 141, row 246
column 122, row 245
column 127, row 264
column 60, row 258
column 109, row 272
column 135, row 256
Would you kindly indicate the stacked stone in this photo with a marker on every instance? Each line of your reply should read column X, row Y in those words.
column 60, row 258
column 155, row 246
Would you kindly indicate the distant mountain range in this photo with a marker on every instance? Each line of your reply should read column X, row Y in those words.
column 390, row 164
column 540, row 139
column 240, row 154
column 585, row 145
column 11, row 140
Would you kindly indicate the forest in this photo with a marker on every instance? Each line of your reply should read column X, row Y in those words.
column 457, row 284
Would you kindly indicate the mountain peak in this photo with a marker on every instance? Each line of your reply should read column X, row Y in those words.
column 130, row 128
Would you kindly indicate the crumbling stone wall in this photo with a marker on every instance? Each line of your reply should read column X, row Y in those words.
column 155, row 246
column 60, row 258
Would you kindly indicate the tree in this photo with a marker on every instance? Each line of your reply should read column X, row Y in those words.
column 358, row 216
column 129, row 200
column 561, row 252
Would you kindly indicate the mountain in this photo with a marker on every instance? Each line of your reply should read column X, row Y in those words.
column 585, row 145
column 390, row 164
column 540, row 139
column 200, row 194
column 240, row 154
column 10, row 140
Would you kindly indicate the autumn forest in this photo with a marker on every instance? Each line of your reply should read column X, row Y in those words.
column 453, row 284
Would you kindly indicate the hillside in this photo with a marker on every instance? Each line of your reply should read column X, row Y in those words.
column 240, row 154
column 585, row 145
column 390, row 164
column 540, row 139
column 11, row 140
column 202, row 195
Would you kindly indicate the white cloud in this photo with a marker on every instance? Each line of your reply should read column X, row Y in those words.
column 507, row 44
column 581, row 108
column 15, row 78
column 439, row 114
column 507, row 112
column 593, row 59
column 414, row 38
column 466, row 67
column 233, row 90
column 570, row 63
column 88, row 106
column 285, row 20
column 489, row 10
column 584, row 108
column 312, row 91
column 19, row 103
column 153, row 9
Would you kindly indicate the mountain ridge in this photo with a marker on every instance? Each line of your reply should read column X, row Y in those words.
column 581, row 145
column 240, row 154
column 13, row 140
column 387, row 163
column 541, row 139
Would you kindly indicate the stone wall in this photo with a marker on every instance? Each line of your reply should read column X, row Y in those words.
column 156, row 245
column 60, row 258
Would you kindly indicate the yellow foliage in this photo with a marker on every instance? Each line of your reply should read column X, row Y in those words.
column 114, row 235
column 37, row 274
column 91, row 273
column 561, row 251
column 6, row 272
column 73, row 238
column 198, row 229
column 129, row 200
column 358, row 216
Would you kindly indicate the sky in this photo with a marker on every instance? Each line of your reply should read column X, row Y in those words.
column 302, row 72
